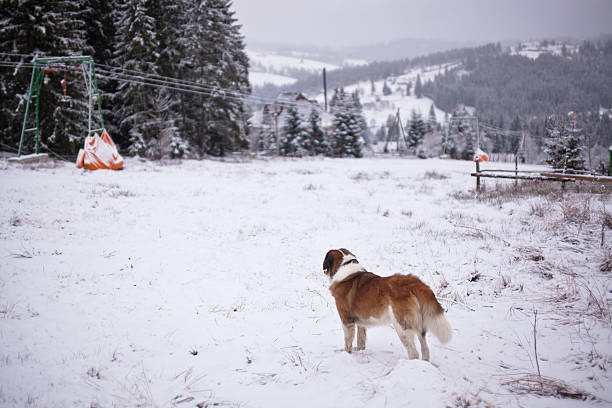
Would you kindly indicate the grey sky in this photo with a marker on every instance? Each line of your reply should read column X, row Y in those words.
column 354, row 22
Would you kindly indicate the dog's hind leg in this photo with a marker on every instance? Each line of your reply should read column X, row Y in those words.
column 424, row 347
column 407, row 338
column 349, row 335
column 361, row 338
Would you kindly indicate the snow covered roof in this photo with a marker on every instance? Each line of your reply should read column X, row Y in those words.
column 285, row 100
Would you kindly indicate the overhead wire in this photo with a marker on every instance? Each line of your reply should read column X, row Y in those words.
column 160, row 81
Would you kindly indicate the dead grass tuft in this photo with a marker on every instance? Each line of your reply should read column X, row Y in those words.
column 606, row 219
column 576, row 212
column 15, row 221
column 471, row 401
column 434, row 175
column 606, row 261
column 530, row 253
column 533, row 384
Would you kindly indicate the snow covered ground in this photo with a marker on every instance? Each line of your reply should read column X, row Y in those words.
column 199, row 283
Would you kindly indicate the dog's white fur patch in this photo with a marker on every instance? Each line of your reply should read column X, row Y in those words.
column 384, row 319
column 345, row 271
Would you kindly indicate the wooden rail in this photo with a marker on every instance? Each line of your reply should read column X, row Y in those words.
column 516, row 176
column 580, row 177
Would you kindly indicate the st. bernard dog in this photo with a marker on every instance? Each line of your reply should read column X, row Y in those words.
column 364, row 299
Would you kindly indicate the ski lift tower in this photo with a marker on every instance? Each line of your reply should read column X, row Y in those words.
column 54, row 65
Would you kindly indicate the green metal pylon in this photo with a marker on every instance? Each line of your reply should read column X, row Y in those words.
column 42, row 65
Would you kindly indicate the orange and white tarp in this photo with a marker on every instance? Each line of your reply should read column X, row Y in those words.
column 480, row 156
column 99, row 153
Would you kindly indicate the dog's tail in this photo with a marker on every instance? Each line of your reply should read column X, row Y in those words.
column 435, row 321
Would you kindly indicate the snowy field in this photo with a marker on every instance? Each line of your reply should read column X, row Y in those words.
column 200, row 284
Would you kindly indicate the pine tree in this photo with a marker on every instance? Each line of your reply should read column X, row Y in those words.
column 418, row 87
column 431, row 121
column 468, row 149
column 574, row 144
column 315, row 134
column 514, row 140
column 225, row 67
column 44, row 29
column 20, row 33
column 170, row 20
column 293, row 139
column 563, row 144
column 348, row 126
column 416, row 131
column 100, row 36
column 408, row 88
column 137, row 47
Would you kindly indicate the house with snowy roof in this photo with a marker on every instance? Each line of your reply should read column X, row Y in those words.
column 264, row 120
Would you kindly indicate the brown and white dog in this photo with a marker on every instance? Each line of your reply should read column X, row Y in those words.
column 364, row 299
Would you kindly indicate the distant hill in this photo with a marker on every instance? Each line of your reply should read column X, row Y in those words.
column 281, row 64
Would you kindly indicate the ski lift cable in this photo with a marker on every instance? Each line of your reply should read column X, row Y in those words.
column 506, row 131
column 177, row 84
column 172, row 83
column 197, row 89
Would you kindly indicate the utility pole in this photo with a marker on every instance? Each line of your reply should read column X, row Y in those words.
column 401, row 131
column 325, row 88
column 275, row 115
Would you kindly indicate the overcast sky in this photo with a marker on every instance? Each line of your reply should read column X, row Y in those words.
column 355, row 22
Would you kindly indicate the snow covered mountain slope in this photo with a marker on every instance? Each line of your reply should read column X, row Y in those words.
column 281, row 69
column 377, row 107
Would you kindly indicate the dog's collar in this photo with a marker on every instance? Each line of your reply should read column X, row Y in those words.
column 354, row 260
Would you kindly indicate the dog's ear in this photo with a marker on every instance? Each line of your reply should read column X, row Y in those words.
column 346, row 251
column 328, row 262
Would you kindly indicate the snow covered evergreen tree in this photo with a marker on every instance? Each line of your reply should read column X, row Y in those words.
column 431, row 121
column 44, row 29
column 293, row 137
column 65, row 33
column 21, row 32
column 225, row 67
column 137, row 50
column 315, row 134
column 563, row 143
column 170, row 20
column 416, row 131
column 100, row 36
column 347, row 134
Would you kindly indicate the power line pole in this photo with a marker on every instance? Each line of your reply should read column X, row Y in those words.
column 275, row 115
column 325, row 87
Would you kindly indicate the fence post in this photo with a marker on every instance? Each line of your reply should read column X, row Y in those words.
column 478, row 176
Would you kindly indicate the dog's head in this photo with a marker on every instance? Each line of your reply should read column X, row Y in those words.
column 335, row 259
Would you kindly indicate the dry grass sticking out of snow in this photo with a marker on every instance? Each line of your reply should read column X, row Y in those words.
column 200, row 284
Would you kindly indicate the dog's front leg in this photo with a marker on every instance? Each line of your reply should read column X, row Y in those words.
column 349, row 335
column 361, row 338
